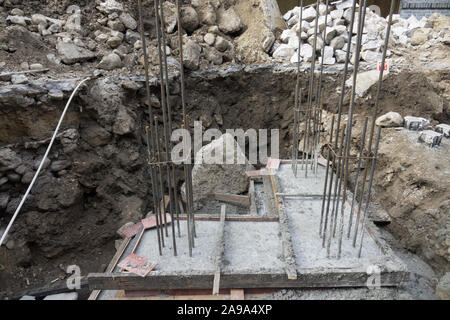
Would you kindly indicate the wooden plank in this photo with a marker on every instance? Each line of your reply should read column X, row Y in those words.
column 268, row 197
column 242, row 218
column 286, row 239
column 237, row 294
column 310, row 278
column 112, row 264
column 220, row 249
column 233, row 199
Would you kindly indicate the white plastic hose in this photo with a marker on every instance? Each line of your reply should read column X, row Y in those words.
column 41, row 164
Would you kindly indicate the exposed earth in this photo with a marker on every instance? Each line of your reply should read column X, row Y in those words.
column 96, row 177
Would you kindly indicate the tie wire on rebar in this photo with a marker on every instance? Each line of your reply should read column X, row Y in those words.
column 162, row 168
column 338, row 148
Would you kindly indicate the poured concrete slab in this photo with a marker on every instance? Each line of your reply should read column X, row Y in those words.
column 254, row 255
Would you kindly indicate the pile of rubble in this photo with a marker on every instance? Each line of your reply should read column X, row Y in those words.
column 427, row 136
column 338, row 18
column 112, row 40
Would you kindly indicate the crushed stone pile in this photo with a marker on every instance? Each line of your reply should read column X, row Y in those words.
column 404, row 33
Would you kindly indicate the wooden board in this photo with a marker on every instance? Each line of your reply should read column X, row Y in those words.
column 220, row 249
column 241, row 218
column 286, row 239
column 310, row 278
column 239, row 200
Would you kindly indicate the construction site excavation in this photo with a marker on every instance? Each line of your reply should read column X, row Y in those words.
column 224, row 150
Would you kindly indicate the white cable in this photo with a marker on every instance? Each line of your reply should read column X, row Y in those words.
column 41, row 164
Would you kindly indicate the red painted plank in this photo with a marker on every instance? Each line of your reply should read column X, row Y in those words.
column 150, row 222
column 137, row 265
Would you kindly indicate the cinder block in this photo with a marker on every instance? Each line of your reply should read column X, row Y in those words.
column 416, row 123
column 444, row 129
column 431, row 138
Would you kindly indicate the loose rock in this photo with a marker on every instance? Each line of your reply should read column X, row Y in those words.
column 229, row 21
column 110, row 62
column 390, row 119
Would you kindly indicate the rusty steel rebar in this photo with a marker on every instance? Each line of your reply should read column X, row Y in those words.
column 298, row 96
column 326, row 178
column 149, row 131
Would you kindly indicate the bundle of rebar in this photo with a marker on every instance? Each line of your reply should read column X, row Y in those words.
column 338, row 149
column 161, row 167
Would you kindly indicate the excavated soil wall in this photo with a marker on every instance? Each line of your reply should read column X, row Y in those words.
column 96, row 178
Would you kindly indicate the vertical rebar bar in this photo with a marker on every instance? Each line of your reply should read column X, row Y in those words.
column 153, row 181
column 369, row 190
column 326, row 177
column 358, row 172
column 298, row 98
column 341, row 147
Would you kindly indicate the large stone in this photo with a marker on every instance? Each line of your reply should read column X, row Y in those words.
column 131, row 37
column 309, row 14
column 329, row 35
column 116, row 25
column 114, row 42
column 268, row 42
column 95, row 135
column 345, row 4
column 286, row 34
column 443, row 287
column 304, row 27
column 370, row 56
column 306, row 52
column 9, row 160
column 211, row 173
column 22, row 21
column 390, row 119
column 222, row 44
column 191, row 55
column 128, row 21
column 337, row 14
column 170, row 16
column 340, row 55
column 39, row 19
column 209, row 38
column 229, row 21
column 124, row 123
column 110, row 62
column 207, row 15
column 337, row 43
column 319, row 42
column 365, row 80
column 189, row 19
column 19, row 79
column 284, row 52
column 293, row 43
column 418, row 37
column 70, row 53
column 110, row 6
column 328, row 56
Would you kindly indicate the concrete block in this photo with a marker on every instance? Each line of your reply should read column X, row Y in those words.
column 416, row 123
column 444, row 129
column 431, row 138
